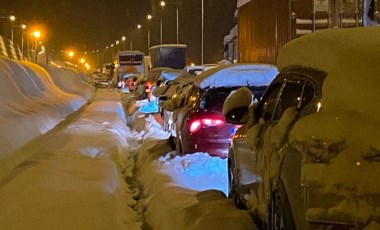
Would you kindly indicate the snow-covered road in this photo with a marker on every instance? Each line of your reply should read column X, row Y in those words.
column 94, row 172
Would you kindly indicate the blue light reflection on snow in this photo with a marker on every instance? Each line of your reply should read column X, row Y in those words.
column 197, row 171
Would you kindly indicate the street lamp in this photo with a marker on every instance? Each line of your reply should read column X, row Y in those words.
column 139, row 28
column 163, row 4
column 149, row 17
column 36, row 34
column 21, row 26
column 10, row 17
column 123, row 40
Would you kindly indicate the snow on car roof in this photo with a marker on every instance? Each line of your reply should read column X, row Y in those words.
column 237, row 75
column 170, row 74
column 350, row 57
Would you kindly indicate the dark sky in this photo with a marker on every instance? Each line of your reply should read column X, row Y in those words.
column 94, row 24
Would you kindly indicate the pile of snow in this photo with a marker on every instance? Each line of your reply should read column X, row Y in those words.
column 237, row 75
column 185, row 192
column 340, row 143
column 75, row 178
column 33, row 101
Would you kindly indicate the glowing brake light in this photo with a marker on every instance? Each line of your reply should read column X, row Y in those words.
column 148, row 87
column 197, row 124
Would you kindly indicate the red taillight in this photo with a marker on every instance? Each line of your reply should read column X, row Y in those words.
column 148, row 87
column 196, row 124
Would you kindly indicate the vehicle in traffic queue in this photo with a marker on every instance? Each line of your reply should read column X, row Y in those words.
column 307, row 155
column 197, row 116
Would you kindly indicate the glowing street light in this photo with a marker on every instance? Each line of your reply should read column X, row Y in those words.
column 123, row 40
column 139, row 26
column 36, row 34
column 10, row 17
column 71, row 53
column 82, row 60
column 21, row 26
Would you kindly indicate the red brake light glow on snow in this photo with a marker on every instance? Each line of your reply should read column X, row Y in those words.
column 197, row 124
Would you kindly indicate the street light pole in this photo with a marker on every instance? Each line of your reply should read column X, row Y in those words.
column 161, row 31
column 177, row 24
column 163, row 3
column 202, row 32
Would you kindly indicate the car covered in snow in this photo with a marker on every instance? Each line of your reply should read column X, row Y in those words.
column 197, row 115
column 308, row 153
column 167, row 99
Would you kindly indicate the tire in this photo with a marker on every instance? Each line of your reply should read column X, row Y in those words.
column 280, row 214
column 232, row 189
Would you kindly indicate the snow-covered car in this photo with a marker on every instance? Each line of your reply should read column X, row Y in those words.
column 308, row 154
column 168, row 99
column 198, row 120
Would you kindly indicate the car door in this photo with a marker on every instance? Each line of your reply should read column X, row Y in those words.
column 243, row 157
column 275, row 116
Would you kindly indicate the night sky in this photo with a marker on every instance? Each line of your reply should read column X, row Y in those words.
column 88, row 25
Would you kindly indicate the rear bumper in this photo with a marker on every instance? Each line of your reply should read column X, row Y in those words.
column 214, row 147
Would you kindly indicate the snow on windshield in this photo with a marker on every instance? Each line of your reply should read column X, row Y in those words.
column 237, row 75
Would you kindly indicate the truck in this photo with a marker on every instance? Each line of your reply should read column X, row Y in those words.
column 265, row 26
column 128, row 65
column 168, row 55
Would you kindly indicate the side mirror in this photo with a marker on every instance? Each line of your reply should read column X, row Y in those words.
column 163, row 98
column 237, row 115
column 236, row 106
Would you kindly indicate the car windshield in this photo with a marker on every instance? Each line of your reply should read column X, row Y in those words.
column 213, row 99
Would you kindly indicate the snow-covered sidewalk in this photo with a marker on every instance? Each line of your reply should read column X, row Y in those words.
column 75, row 178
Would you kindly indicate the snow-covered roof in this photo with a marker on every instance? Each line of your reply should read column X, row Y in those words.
column 168, row 45
column 350, row 57
column 237, row 75
column 184, row 79
column 130, row 52
column 170, row 74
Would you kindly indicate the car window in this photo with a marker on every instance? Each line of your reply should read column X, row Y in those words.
column 213, row 99
column 290, row 96
column 308, row 94
column 267, row 105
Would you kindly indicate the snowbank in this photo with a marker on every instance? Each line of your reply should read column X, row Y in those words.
column 33, row 101
column 184, row 192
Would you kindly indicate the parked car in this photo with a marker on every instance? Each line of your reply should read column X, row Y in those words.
column 307, row 155
column 198, row 121
column 181, row 86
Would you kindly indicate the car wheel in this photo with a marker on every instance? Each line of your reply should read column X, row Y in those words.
column 280, row 215
column 233, row 192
